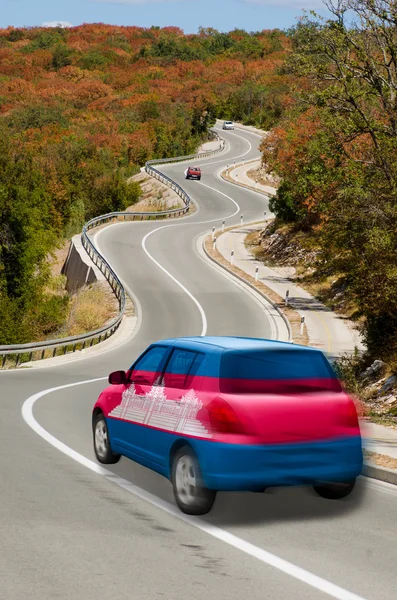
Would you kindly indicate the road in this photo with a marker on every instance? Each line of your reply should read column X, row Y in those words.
column 73, row 530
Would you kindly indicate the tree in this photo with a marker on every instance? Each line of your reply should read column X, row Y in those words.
column 351, row 67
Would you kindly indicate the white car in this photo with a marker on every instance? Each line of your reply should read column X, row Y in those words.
column 228, row 125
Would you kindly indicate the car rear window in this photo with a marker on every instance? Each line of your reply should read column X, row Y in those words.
column 195, row 169
column 276, row 371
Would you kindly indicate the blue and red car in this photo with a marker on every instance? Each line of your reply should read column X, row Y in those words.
column 227, row 414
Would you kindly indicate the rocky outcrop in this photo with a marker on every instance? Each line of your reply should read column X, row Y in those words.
column 380, row 389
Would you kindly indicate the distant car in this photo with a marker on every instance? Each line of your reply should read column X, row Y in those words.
column 193, row 173
column 231, row 414
column 228, row 125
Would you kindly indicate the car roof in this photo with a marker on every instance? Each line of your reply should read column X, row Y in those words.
column 234, row 343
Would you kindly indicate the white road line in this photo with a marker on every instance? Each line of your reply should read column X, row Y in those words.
column 267, row 558
column 175, row 280
column 193, row 298
column 226, row 196
column 203, row 161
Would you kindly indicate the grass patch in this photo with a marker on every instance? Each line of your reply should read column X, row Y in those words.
column 90, row 308
column 381, row 460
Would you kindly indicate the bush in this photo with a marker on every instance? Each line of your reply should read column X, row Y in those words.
column 35, row 117
column 61, row 57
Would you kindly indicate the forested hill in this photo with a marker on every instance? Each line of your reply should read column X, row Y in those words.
column 82, row 108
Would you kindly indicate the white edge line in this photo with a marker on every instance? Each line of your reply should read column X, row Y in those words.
column 265, row 557
column 255, row 296
column 153, row 231
column 183, row 288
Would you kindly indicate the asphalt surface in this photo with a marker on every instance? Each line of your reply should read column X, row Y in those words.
column 73, row 530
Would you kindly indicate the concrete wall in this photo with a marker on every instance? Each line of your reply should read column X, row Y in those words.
column 78, row 268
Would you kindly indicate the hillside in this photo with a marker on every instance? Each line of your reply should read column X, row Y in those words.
column 82, row 109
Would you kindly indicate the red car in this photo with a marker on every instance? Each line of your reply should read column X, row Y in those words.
column 193, row 173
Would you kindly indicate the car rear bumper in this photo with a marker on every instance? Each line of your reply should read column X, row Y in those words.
column 233, row 467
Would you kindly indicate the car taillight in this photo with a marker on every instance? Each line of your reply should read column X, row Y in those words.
column 223, row 418
column 350, row 416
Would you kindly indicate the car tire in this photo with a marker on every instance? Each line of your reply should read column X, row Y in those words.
column 198, row 178
column 335, row 491
column 191, row 495
column 102, row 447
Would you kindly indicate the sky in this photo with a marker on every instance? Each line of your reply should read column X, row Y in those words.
column 224, row 15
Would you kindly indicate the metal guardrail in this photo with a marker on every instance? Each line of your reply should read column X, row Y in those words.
column 21, row 353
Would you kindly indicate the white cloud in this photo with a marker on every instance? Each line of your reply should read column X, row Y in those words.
column 64, row 24
column 297, row 4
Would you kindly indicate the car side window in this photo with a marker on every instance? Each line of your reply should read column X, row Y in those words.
column 178, row 368
column 149, row 367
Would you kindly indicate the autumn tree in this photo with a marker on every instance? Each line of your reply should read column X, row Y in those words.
column 350, row 64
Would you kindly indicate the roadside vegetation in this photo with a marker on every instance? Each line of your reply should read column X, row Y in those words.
column 334, row 156
column 335, row 150
column 82, row 109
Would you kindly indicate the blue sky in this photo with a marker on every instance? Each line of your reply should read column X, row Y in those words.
column 225, row 15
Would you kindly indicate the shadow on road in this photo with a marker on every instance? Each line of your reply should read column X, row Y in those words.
column 280, row 505
column 290, row 504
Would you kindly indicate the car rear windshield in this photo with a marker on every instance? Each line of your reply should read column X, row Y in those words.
column 195, row 169
column 276, row 371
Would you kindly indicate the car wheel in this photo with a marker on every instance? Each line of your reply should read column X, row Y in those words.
column 335, row 491
column 191, row 495
column 102, row 448
column 199, row 178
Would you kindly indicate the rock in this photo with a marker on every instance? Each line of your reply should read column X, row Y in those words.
column 389, row 384
column 390, row 400
column 375, row 369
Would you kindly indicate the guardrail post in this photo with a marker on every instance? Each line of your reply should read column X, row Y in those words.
column 3, row 362
column 54, row 352
column 42, row 354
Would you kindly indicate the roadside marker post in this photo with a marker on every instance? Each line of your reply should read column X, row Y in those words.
column 223, row 225
column 213, row 232
column 256, row 273
column 214, row 244
column 242, row 220
column 232, row 258
column 302, row 324
column 287, row 298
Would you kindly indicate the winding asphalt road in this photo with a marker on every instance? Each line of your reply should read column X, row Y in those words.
column 71, row 529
